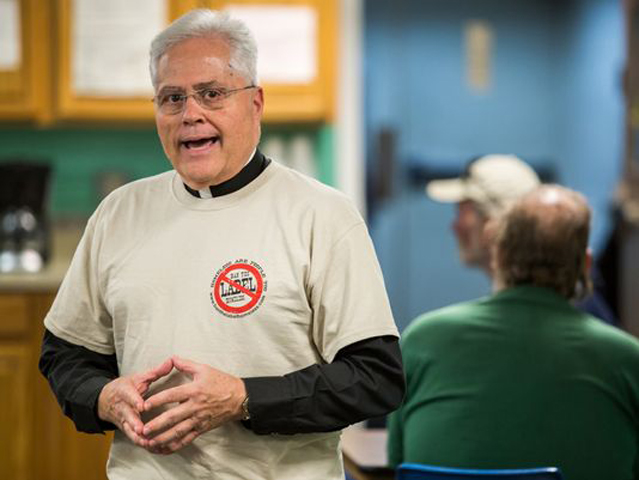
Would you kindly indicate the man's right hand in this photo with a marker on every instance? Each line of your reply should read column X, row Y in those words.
column 120, row 401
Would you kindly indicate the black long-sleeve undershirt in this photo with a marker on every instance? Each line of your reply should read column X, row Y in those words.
column 76, row 376
column 365, row 380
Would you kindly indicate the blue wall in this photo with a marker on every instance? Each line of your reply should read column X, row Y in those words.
column 415, row 78
column 555, row 100
column 592, row 111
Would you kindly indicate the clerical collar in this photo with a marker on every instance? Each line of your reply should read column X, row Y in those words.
column 250, row 172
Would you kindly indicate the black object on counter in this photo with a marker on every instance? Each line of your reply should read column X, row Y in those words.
column 24, row 226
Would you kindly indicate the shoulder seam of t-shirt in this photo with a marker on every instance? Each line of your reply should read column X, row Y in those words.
column 358, row 336
column 346, row 233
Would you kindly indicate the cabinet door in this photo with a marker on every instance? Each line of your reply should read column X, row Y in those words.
column 14, row 412
column 58, row 451
column 25, row 83
column 102, row 71
column 15, row 401
column 291, row 34
column 83, row 456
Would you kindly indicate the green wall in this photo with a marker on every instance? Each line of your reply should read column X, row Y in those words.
column 80, row 156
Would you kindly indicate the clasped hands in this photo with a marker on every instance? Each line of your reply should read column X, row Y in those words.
column 209, row 400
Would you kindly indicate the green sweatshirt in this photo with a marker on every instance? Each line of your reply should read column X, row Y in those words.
column 516, row 380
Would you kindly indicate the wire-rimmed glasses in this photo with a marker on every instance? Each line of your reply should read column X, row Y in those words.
column 172, row 103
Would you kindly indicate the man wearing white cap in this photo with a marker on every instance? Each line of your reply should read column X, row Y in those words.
column 488, row 185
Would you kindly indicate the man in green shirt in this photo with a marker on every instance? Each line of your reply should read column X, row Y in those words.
column 521, row 378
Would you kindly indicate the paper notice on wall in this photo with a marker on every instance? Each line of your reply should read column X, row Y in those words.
column 286, row 37
column 10, row 51
column 110, row 46
column 479, row 45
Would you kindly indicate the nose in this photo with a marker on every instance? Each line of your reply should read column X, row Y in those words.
column 193, row 111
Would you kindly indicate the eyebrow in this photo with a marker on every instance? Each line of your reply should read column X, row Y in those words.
column 205, row 85
column 170, row 90
column 197, row 87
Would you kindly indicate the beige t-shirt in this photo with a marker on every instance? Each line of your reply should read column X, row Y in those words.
column 264, row 281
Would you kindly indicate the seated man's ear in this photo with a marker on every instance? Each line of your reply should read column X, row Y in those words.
column 489, row 233
column 489, row 240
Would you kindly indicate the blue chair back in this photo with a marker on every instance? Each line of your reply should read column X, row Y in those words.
column 415, row 471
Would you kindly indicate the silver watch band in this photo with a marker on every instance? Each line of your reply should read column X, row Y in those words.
column 246, row 415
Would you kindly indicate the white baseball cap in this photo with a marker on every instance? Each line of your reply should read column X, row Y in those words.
column 493, row 181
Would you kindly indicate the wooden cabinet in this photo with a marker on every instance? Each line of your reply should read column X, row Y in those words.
column 15, row 404
column 25, row 89
column 36, row 441
column 309, row 99
column 39, row 88
column 45, row 87
column 14, row 416
column 78, row 106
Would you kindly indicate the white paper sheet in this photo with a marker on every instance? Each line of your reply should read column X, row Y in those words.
column 286, row 39
column 110, row 46
column 479, row 46
column 10, row 51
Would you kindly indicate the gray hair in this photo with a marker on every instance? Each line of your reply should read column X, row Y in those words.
column 208, row 23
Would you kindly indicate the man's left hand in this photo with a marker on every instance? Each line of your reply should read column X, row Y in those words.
column 211, row 399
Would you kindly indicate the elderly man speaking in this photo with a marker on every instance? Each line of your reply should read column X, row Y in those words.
column 213, row 311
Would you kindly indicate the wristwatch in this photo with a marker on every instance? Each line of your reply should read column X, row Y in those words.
column 246, row 415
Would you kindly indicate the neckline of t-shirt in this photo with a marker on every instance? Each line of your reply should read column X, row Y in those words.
column 184, row 198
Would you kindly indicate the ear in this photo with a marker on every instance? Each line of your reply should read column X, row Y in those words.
column 258, row 102
column 490, row 231
column 495, row 270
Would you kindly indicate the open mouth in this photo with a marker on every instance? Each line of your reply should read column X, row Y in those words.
column 200, row 142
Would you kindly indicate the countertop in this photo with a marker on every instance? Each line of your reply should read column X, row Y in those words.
column 64, row 240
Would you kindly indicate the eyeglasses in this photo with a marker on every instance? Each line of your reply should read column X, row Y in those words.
column 172, row 103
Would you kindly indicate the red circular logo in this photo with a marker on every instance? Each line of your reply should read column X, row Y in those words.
column 238, row 288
